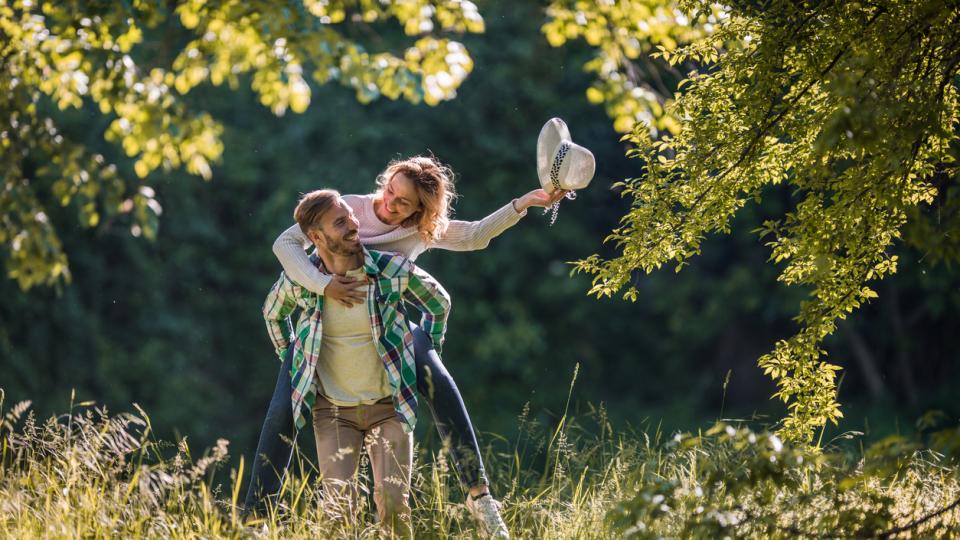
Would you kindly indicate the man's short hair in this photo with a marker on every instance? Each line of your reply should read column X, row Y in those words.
column 313, row 206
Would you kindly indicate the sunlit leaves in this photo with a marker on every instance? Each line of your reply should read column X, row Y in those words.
column 71, row 54
column 276, row 42
column 632, row 86
column 855, row 112
column 415, row 16
column 36, row 255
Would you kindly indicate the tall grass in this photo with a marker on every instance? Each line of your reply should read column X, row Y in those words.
column 92, row 474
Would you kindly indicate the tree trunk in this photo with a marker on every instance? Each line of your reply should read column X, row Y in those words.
column 900, row 343
column 865, row 359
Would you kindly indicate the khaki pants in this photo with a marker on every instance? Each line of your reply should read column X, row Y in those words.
column 341, row 433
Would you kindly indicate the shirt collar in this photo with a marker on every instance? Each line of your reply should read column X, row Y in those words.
column 369, row 266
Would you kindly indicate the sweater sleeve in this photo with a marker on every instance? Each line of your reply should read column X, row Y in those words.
column 289, row 248
column 473, row 235
column 280, row 303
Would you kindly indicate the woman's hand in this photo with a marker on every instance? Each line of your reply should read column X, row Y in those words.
column 538, row 197
column 346, row 290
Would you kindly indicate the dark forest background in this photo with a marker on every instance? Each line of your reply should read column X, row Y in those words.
column 175, row 324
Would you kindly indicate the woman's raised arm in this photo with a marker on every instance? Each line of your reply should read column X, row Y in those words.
column 474, row 235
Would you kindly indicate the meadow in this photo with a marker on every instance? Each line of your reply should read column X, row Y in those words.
column 90, row 473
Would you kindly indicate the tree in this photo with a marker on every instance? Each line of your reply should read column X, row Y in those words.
column 853, row 107
column 632, row 85
column 60, row 56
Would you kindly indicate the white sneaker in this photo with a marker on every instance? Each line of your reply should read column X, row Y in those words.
column 486, row 510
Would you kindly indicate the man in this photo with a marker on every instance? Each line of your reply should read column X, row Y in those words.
column 353, row 367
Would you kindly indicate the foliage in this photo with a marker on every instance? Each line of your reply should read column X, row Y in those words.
column 745, row 484
column 89, row 473
column 854, row 107
column 76, row 55
column 930, row 231
column 632, row 86
column 275, row 42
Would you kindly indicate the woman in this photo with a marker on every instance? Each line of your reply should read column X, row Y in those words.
column 409, row 213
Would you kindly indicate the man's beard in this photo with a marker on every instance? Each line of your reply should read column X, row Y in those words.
column 341, row 247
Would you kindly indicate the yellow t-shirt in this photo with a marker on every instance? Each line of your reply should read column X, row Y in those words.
column 349, row 369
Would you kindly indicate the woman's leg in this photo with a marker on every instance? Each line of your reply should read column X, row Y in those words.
column 274, row 448
column 449, row 412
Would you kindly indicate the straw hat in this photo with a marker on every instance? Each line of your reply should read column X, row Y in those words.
column 562, row 163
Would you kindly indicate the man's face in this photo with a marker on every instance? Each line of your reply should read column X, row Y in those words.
column 339, row 231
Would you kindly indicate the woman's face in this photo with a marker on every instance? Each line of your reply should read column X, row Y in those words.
column 400, row 200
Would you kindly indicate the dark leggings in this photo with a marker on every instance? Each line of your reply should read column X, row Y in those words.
column 435, row 384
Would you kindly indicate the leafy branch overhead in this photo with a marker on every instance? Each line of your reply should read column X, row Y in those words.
column 853, row 108
column 74, row 55
column 632, row 85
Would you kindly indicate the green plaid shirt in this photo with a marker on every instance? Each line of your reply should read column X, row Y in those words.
column 391, row 278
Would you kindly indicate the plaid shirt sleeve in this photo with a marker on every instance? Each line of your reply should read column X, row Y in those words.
column 280, row 303
column 427, row 295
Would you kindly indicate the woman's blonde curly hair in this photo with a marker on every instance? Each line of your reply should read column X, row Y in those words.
column 434, row 184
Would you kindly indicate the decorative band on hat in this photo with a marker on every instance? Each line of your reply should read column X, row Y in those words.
column 557, row 161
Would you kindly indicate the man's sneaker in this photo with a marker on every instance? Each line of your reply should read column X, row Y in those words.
column 486, row 510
